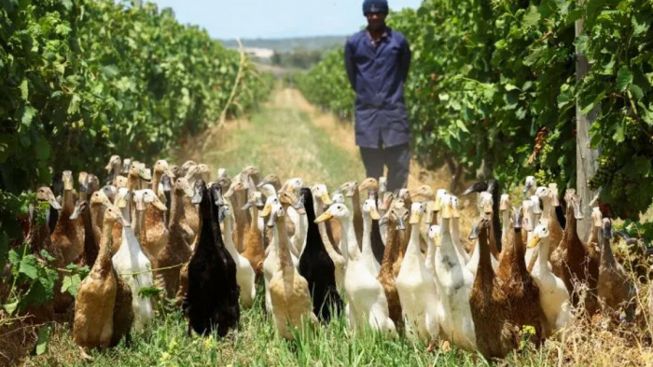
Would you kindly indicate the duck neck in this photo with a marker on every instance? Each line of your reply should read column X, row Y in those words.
column 413, row 247
column 228, row 237
column 138, row 223
column 97, row 217
column 543, row 256
column 447, row 239
column 68, row 206
column 253, row 224
column 392, row 247
column 607, row 257
column 430, row 250
column 484, row 274
column 283, row 250
column 90, row 241
column 349, row 244
column 177, row 209
column 103, row 261
column 358, row 217
column 156, row 179
column 519, row 251
column 133, row 182
column 367, row 235
column 505, row 223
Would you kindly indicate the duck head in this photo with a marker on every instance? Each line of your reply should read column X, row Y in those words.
column 182, row 187
column 539, row 232
column 422, row 193
column 67, row 179
column 369, row 208
column 114, row 165
column 44, row 194
column 336, row 210
column 320, row 191
column 147, row 196
column 417, row 210
column 348, row 188
column 370, row 185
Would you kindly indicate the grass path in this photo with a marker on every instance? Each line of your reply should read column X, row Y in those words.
column 282, row 137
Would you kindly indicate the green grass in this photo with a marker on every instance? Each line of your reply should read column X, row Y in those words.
column 283, row 140
column 165, row 343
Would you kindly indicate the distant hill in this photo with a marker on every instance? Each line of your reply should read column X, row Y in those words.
column 283, row 45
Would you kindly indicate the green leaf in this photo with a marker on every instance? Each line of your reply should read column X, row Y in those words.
column 624, row 78
column 71, row 284
column 510, row 87
column 14, row 258
column 73, row 106
column 461, row 126
column 532, row 17
column 28, row 115
column 4, row 249
column 29, row 267
column 24, row 90
column 10, row 308
column 619, row 134
column 636, row 91
column 42, row 340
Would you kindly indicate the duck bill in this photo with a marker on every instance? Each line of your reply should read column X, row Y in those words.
column 159, row 205
column 414, row 218
column 446, row 212
column 266, row 211
column 401, row 224
column 54, row 203
column 374, row 214
column 578, row 214
column 324, row 217
column 473, row 234
column 165, row 183
column 326, row 200
column 272, row 220
column 534, row 242
column 76, row 212
column 145, row 174
column 140, row 205
column 196, row 198
column 246, row 206
column 456, row 214
column 121, row 202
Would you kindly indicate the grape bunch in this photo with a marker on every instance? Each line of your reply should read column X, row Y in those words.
column 604, row 174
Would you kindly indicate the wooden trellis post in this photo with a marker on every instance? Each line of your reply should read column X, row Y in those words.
column 586, row 158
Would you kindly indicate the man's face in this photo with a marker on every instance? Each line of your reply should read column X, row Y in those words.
column 375, row 21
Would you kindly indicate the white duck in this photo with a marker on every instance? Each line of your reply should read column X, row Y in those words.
column 322, row 200
column 297, row 217
column 432, row 247
column 554, row 296
column 453, row 201
column 528, row 224
column 131, row 263
column 455, row 283
column 369, row 213
column 367, row 304
column 417, row 292
column 245, row 275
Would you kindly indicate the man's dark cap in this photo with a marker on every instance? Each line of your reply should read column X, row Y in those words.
column 375, row 6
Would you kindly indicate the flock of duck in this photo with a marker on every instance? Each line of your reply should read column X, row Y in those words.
column 391, row 262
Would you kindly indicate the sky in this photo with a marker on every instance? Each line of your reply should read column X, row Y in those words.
column 228, row 19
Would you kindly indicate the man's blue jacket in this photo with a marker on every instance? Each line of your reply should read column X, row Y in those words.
column 377, row 73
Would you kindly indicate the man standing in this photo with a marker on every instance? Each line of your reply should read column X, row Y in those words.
column 377, row 61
